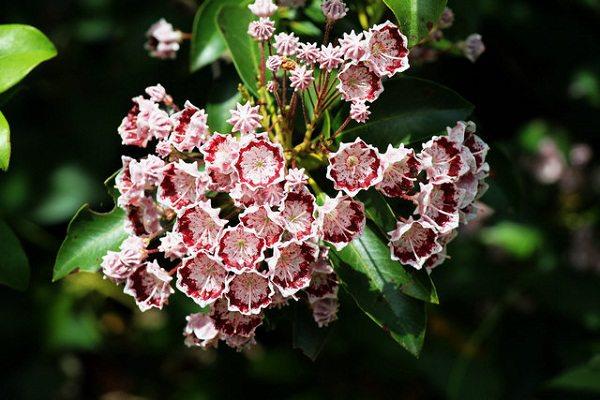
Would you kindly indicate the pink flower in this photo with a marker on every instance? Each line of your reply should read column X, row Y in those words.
column 334, row 9
column 220, row 152
column 163, row 40
column 272, row 86
column 297, row 214
column 245, row 118
column 151, row 169
column 260, row 164
column 182, row 185
column 438, row 259
column 163, row 149
column 172, row 246
column 262, row 221
column 413, row 242
column 359, row 111
column 443, row 160
column 473, row 47
column 274, row 62
column 324, row 281
column 203, row 278
column 222, row 181
column 286, row 44
column 130, row 186
column 342, row 220
column 150, row 286
column 133, row 251
column 447, row 19
column 189, row 128
column 200, row 331
column 388, row 50
column 353, row 46
column 134, row 128
column 249, row 293
column 159, row 124
column 200, row 226
column 115, row 269
column 290, row 267
column 143, row 219
column 325, row 311
column 354, row 167
column 358, row 82
column 438, row 205
column 157, row 92
column 330, row 57
column 261, row 30
column 240, row 249
column 308, row 53
column 295, row 178
column 401, row 169
column 263, row 8
column 301, row 78
column 231, row 323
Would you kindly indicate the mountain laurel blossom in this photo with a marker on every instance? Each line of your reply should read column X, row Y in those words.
column 238, row 221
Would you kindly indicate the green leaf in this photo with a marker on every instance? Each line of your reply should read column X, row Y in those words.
column 403, row 317
column 14, row 266
column 89, row 236
column 369, row 255
column 219, row 113
column 517, row 239
column 307, row 336
column 4, row 143
column 207, row 45
column 233, row 25
column 22, row 48
column 305, row 28
column 378, row 210
column 408, row 111
column 416, row 17
column 583, row 378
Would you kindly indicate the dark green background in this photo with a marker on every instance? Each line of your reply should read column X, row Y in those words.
column 514, row 312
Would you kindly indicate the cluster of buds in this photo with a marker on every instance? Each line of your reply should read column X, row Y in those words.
column 471, row 48
column 238, row 222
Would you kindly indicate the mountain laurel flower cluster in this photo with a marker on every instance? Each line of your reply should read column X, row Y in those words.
column 238, row 220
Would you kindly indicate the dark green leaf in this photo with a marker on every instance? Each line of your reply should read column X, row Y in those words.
column 307, row 336
column 416, row 17
column 408, row 111
column 305, row 28
column 378, row 210
column 219, row 113
column 369, row 255
column 403, row 317
column 22, row 48
column 207, row 45
column 14, row 267
column 583, row 378
column 89, row 236
column 4, row 143
column 233, row 25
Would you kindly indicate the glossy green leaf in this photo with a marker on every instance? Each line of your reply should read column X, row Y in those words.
column 233, row 25
column 369, row 255
column 22, row 48
column 4, row 143
column 207, row 45
column 218, row 114
column 378, row 210
column 305, row 28
column 89, row 236
column 14, row 266
column 416, row 17
column 403, row 317
column 408, row 111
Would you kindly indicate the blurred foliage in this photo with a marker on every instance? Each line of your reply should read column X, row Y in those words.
column 519, row 313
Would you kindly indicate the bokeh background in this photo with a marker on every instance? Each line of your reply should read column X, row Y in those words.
column 520, row 298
